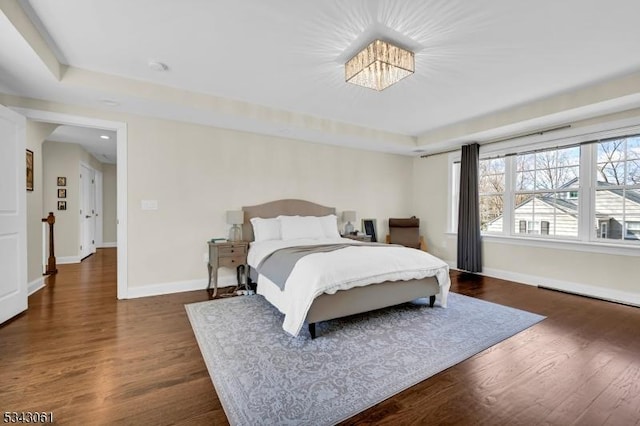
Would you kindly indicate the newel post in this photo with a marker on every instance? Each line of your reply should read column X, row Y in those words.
column 51, row 262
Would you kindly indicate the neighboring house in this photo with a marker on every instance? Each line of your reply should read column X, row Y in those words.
column 617, row 214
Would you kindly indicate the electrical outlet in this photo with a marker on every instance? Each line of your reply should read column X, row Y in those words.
column 205, row 257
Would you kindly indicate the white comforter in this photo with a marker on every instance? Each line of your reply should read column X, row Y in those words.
column 343, row 269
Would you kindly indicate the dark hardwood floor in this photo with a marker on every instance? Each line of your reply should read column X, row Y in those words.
column 91, row 359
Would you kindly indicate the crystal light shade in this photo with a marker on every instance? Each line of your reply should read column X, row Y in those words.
column 379, row 65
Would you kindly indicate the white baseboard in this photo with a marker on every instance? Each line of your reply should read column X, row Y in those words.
column 64, row 260
column 35, row 285
column 513, row 276
column 176, row 287
column 108, row 245
column 603, row 293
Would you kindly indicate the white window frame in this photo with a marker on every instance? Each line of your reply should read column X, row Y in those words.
column 594, row 236
column 587, row 239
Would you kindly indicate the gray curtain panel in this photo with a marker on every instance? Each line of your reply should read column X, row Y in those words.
column 469, row 244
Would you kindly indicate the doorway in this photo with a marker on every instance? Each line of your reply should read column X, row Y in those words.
column 121, row 177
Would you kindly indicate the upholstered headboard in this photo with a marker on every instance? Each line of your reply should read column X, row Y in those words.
column 281, row 207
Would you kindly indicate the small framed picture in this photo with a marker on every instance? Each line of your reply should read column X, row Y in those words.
column 29, row 170
column 62, row 181
column 62, row 205
column 62, row 193
column 369, row 228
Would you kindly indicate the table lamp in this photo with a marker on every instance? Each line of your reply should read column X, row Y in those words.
column 235, row 218
column 348, row 216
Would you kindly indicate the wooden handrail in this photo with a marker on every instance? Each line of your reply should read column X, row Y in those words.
column 51, row 262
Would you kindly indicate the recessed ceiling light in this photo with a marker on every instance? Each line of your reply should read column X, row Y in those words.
column 106, row 137
column 109, row 102
column 158, row 66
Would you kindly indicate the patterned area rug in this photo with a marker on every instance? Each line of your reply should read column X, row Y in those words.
column 264, row 376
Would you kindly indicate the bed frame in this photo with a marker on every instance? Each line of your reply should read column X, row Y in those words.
column 344, row 302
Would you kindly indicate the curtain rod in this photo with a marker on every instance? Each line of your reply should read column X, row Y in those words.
column 537, row 132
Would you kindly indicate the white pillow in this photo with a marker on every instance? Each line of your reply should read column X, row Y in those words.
column 294, row 227
column 266, row 229
column 329, row 225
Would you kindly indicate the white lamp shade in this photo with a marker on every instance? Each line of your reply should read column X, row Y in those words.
column 349, row 216
column 235, row 217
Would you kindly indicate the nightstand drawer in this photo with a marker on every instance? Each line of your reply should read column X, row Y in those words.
column 231, row 262
column 233, row 250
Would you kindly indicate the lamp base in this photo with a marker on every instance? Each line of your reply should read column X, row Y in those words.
column 235, row 233
column 348, row 228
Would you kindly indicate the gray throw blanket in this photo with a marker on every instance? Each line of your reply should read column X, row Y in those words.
column 278, row 265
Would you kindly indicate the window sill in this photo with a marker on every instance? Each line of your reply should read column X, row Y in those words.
column 590, row 247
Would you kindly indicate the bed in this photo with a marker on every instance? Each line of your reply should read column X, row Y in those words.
column 325, row 286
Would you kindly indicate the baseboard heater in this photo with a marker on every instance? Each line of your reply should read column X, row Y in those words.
column 590, row 296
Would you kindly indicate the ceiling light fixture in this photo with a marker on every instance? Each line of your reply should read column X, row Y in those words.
column 105, row 137
column 379, row 65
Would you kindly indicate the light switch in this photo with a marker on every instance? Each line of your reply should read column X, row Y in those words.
column 149, row 204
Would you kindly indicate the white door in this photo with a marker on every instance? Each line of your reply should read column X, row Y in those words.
column 13, row 215
column 87, row 211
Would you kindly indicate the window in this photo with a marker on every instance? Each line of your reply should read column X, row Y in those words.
column 617, row 195
column 585, row 191
column 603, row 230
column 491, row 190
column 545, row 182
column 632, row 231
column 544, row 227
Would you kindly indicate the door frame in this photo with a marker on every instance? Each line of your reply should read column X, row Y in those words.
column 121, row 176
column 98, row 216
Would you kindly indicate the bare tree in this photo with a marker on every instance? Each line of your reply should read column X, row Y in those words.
column 554, row 169
column 491, row 189
column 611, row 170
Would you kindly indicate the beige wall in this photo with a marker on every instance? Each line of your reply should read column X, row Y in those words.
column 36, row 134
column 196, row 173
column 430, row 197
column 109, row 203
column 63, row 159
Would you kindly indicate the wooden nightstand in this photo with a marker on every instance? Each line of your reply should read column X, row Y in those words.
column 364, row 238
column 230, row 255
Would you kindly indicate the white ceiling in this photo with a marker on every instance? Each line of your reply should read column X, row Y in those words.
column 104, row 150
column 283, row 61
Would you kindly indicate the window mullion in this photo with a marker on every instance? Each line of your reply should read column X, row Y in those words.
column 509, row 185
column 586, row 197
